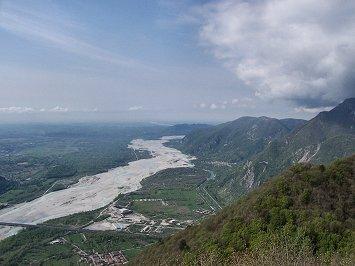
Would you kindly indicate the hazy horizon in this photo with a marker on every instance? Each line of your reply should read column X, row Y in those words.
column 173, row 61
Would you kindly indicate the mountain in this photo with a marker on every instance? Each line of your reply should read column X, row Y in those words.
column 327, row 136
column 292, row 123
column 304, row 216
column 183, row 129
column 261, row 147
column 238, row 140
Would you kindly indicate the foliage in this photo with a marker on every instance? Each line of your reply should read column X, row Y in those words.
column 235, row 141
column 307, row 212
column 32, row 246
column 260, row 148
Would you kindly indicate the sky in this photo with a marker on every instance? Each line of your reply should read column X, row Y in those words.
column 176, row 61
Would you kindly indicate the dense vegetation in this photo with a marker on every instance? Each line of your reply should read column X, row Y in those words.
column 315, row 141
column 6, row 184
column 237, row 140
column 303, row 216
column 255, row 149
column 32, row 246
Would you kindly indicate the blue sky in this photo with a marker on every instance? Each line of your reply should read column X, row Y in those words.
column 168, row 60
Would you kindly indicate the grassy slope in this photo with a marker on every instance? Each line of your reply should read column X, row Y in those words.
column 305, row 215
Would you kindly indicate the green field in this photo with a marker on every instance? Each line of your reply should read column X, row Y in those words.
column 176, row 190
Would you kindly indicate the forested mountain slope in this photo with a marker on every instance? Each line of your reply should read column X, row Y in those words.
column 327, row 136
column 303, row 216
column 259, row 148
column 238, row 140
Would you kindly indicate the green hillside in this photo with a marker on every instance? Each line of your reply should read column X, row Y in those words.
column 304, row 216
column 260, row 148
column 326, row 137
column 238, row 140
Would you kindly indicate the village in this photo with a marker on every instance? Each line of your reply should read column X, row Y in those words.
column 121, row 218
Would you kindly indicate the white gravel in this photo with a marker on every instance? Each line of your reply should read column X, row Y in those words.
column 7, row 231
column 97, row 191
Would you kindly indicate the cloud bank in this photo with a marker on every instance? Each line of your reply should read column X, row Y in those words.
column 135, row 108
column 16, row 110
column 59, row 109
column 302, row 51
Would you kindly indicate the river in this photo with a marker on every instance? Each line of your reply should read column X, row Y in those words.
column 94, row 192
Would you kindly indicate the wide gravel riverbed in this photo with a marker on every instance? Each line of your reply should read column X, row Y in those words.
column 94, row 192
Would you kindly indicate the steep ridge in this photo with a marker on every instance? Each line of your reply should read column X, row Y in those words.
column 261, row 147
column 238, row 140
column 327, row 136
column 304, row 216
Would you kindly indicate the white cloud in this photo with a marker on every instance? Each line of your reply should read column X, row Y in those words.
column 135, row 108
column 234, row 101
column 302, row 50
column 244, row 102
column 56, row 109
column 312, row 110
column 213, row 106
column 59, row 109
column 15, row 109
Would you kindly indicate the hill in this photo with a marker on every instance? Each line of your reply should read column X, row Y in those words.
column 324, row 138
column 250, row 150
column 238, row 140
column 183, row 129
column 304, row 216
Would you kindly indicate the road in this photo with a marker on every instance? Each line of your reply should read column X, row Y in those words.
column 50, row 188
column 74, row 229
column 65, row 228
column 202, row 189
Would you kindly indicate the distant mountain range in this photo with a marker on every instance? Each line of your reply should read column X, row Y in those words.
column 261, row 147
